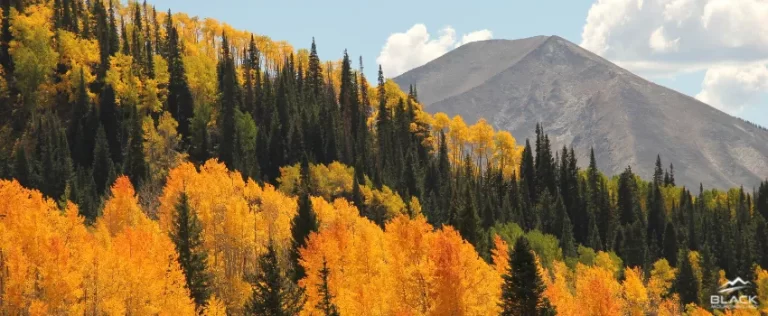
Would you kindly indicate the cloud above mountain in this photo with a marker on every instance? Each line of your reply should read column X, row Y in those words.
column 416, row 46
column 727, row 38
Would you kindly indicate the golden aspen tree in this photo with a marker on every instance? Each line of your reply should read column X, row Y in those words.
column 500, row 255
column 408, row 244
column 482, row 144
column 33, row 55
column 458, row 136
column 597, row 291
column 238, row 217
column 634, row 292
column 559, row 291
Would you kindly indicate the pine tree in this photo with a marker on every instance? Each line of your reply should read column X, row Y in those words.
column 110, row 121
column 686, row 283
column 84, row 194
column 103, row 167
column 304, row 223
column 523, row 288
column 273, row 293
column 470, row 222
column 528, row 172
column 193, row 258
column 180, row 102
column 670, row 250
column 228, row 96
column 135, row 166
column 326, row 304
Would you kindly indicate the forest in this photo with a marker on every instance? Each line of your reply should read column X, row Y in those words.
column 153, row 163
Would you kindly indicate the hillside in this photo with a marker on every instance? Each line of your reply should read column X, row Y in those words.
column 586, row 102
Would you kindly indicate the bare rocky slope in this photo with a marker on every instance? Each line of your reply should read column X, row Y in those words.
column 586, row 101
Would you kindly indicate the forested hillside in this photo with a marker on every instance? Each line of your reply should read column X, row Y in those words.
column 157, row 163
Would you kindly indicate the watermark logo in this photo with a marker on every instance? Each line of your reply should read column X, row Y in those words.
column 733, row 295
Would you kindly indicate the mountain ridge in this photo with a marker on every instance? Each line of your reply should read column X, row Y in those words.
column 585, row 101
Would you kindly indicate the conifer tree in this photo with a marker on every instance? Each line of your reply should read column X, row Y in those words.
column 670, row 250
column 273, row 293
column 304, row 223
column 180, row 102
column 528, row 172
column 228, row 96
column 686, row 282
column 110, row 121
column 522, row 290
column 103, row 167
column 136, row 167
column 326, row 304
column 193, row 258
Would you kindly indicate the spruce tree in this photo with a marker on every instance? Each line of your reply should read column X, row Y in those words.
column 135, row 166
column 470, row 221
column 273, row 293
column 304, row 223
column 110, row 121
column 187, row 235
column 228, row 96
column 670, row 250
column 523, row 288
column 103, row 167
column 180, row 102
column 686, row 283
column 326, row 304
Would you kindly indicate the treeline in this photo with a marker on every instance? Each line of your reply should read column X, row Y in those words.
column 92, row 90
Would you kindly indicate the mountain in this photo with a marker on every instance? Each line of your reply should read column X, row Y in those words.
column 586, row 101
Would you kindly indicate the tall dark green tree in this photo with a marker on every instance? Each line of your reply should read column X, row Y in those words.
column 135, row 167
column 326, row 304
column 187, row 235
column 180, row 102
column 304, row 223
column 273, row 292
column 686, row 283
column 522, row 290
column 670, row 250
column 228, row 102
column 103, row 167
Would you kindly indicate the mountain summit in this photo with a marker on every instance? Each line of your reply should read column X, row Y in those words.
column 586, row 101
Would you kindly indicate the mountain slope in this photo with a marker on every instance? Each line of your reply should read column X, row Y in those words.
column 585, row 101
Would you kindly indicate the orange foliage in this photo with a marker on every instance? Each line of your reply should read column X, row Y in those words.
column 407, row 269
column 238, row 218
column 53, row 264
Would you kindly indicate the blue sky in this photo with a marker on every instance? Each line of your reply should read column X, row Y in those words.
column 662, row 40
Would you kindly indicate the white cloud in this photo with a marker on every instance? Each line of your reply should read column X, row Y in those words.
column 415, row 47
column 660, row 44
column 475, row 36
column 728, row 38
column 732, row 88
column 683, row 33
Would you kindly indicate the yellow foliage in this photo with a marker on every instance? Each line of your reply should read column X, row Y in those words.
column 123, row 79
column 238, row 219
column 54, row 265
column 407, row 269
column 598, row 291
column 161, row 145
column 635, row 292
column 33, row 55
column 122, row 209
column 500, row 255
column 81, row 55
